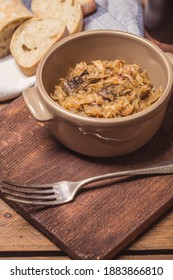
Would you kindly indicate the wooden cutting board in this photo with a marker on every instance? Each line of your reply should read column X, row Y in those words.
column 102, row 220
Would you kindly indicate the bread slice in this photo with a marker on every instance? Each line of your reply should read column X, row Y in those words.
column 32, row 39
column 88, row 6
column 68, row 10
column 12, row 14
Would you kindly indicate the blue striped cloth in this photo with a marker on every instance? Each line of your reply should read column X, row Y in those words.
column 124, row 15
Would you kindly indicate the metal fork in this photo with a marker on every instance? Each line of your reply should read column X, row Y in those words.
column 65, row 191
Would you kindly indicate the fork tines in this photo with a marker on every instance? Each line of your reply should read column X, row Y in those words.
column 29, row 194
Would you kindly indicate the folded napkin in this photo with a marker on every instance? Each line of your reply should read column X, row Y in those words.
column 111, row 14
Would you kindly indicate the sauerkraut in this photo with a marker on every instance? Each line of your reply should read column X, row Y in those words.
column 106, row 89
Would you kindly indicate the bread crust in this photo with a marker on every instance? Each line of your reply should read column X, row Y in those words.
column 22, row 44
column 87, row 6
column 71, row 12
column 68, row 10
column 12, row 14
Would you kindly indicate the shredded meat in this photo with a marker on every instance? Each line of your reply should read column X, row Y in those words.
column 106, row 89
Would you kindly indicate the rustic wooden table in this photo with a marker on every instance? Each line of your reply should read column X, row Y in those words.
column 20, row 240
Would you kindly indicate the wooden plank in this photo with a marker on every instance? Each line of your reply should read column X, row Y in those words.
column 158, row 237
column 123, row 257
column 147, row 257
column 4, row 104
column 18, row 235
column 102, row 221
column 35, row 258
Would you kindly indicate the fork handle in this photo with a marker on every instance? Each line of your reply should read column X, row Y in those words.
column 163, row 169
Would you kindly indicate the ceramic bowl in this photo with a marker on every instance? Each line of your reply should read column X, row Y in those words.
column 92, row 136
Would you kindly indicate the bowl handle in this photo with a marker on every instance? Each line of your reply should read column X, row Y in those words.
column 119, row 139
column 35, row 105
column 170, row 57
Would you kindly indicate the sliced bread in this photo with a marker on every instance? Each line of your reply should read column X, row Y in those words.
column 12, row 14
column 68, row 10
column 33, row 38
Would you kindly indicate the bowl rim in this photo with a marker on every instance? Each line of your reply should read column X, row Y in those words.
column 71, row 116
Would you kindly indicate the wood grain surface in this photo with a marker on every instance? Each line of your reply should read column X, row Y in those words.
column 19, row 240
column 101, row 221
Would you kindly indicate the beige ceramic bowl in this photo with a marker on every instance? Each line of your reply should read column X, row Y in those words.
column 91, row 136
